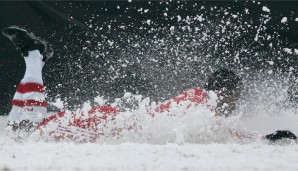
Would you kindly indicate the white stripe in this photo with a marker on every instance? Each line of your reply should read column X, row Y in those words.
column 29, row 96
column 34, row 113
column 34, row 109
column 30, row 79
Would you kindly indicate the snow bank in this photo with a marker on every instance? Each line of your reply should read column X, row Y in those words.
column 134, row 156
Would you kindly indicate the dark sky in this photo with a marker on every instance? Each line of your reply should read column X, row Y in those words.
column 156, row 49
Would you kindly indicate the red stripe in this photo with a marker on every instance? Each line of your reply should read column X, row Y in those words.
column 51, row 118
column 25, row 103
column 194, row 95
column 30, row 87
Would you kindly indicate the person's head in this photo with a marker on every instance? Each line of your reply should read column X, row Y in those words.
column 227, row 85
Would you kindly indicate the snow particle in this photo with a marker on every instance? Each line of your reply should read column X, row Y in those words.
column 288, row 50
column 179, row 17
column 270, row 62
column 127, row 95
column 265, row 9
column 58, row 103
column 246, row 10
column 200, row 18
column 270, row 45
column 284, row 20
column 99, row 100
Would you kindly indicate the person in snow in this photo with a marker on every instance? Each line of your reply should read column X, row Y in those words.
column 224, row 83
column 29, row 107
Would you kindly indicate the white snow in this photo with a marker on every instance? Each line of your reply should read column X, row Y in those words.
column 200, row 18
column 191, row 139
column 270, row 62
column 58, row 103
column 284, row 20
column 182, row 139
column 99, row 100
column 265, row 9
column 144, row 156
column 178, row 18
column 288, row 50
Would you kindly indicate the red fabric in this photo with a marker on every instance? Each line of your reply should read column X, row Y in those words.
column 90, row 123
column 26, row 103
column 80, row 121
column 30, row 87
column 51, row 118
column 92, row 118
column 195, row 95
column 103, row 109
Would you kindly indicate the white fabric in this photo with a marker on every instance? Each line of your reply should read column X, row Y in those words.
column 29, row 79
column 34, row 65
column 33, row 74
column 15, row 114
column 33, row 113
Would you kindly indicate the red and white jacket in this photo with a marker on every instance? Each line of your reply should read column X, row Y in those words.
column 88, row 125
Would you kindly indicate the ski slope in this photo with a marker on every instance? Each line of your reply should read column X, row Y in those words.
column 227, row 156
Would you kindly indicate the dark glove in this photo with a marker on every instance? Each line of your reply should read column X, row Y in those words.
column 280, row 134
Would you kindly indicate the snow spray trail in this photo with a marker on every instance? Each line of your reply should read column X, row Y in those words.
column 186, row 122
column 161, row 61
column 262, row 109
column 162, row 55
column 267, row 105
column 196, row 124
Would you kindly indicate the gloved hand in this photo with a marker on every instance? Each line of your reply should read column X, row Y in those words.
column 280, row 134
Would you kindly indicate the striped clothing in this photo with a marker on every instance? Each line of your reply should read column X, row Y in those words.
column 28, row 103
column 194, row 95
column 29, row 100
column 84, row 126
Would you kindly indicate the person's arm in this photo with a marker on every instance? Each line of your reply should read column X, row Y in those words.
column 194, row 95
column 280, row 134
column 273, row 137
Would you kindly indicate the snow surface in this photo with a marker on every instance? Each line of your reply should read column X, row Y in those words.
column 185, row 141
column 229, row 156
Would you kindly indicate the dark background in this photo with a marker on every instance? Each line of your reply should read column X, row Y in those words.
column 156, row 49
